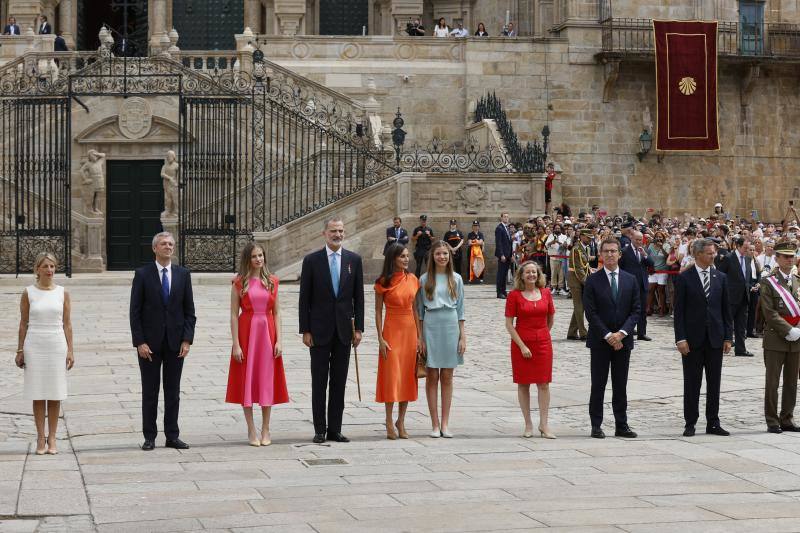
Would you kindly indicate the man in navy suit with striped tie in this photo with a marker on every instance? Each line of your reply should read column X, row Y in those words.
column 703, row 332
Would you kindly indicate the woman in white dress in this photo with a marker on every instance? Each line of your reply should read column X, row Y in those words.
column 45, row 349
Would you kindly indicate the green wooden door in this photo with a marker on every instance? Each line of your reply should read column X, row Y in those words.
column 135, row 201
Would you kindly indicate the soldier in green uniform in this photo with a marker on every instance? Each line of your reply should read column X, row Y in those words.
column 781, row 312
column 576, row 276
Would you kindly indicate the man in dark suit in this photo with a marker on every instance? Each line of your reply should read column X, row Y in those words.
column 703, row 330
column 162, row 325
column 11, row 28
column 612, row 305
column 502, row 251
column 395, row 234
column 331, row 315
column 635, row 261
column 44, row 26
column 739, row 268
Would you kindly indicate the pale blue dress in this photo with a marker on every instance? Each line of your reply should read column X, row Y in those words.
column 440, row 317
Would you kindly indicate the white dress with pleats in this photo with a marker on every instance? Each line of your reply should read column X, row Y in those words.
column 45, row 347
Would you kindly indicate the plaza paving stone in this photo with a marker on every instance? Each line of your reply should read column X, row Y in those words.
column 487, row 478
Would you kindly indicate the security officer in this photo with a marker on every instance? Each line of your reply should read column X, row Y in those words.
column 781, row 312
column 578, row 264
column 455, row 239
column 422, row 237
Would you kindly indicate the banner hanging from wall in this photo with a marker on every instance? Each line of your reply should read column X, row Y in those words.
column 686, row 85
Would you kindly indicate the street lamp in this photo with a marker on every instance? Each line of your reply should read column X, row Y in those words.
column 398, row 135
column 645, row 143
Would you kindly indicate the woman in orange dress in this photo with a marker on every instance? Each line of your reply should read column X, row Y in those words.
column 398, row 337
column 256, row 373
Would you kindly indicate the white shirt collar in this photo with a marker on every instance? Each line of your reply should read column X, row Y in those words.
column 701, row 270
column 328, row 251
column 609, row 272
column 160, row 268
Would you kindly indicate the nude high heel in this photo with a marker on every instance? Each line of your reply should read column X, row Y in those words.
column 546, row 434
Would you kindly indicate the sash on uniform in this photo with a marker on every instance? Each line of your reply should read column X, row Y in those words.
column 476, row 263
column 788, row 301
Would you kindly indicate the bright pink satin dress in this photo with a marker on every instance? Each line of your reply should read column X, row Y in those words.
column 259, row 378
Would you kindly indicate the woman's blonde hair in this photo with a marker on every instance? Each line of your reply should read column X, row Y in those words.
column 430, row 281
column 244, row 268
column 41, row 258
column 519, row 283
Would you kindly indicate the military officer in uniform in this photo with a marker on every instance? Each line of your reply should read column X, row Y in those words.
column 781, row 312
column 576, row 276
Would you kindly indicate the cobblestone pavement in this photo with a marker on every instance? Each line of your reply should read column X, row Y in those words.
column 487, row 478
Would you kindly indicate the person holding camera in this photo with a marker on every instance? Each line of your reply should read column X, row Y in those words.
column 415, row 28
column 658, row 251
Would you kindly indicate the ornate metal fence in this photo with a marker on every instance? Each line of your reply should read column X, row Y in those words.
column 525, row 159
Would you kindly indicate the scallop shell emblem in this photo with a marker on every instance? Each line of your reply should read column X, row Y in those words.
column 687, row 85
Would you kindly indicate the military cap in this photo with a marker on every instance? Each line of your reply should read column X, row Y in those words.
column 627, row 224
column 785, row 248
column 476, row 223
column 423, row 217
column 586, row 232
column 453, row 221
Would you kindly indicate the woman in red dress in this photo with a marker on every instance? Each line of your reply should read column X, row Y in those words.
column 531, row 346
column 256, row 373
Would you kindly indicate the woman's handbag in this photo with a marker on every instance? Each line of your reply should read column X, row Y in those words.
column 422, row 365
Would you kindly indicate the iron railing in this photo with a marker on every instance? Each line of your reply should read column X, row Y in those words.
column 632, row 36
column 525, row 159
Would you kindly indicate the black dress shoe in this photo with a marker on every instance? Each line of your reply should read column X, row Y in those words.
column 178, row 444
column 582, row 338
column 502, row 296
column 791, row 428
column 717, row 430
column 149, row 445
column 319, row 438
column 625, row 432
column 776, row 429
column 688, row 431
column 573, row 338
column 644, row 338
column 597, row 433
column 744, row 354
column 337, row 437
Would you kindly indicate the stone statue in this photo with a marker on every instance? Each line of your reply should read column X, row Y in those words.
column 93, row 172
column 169, row 173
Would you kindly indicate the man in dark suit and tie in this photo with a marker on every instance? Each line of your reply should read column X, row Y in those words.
column 502, row 251
column 395, row 234
column 44, row 26
column 634, row 261
column 11, row 28
column 739, row 268
column 703, row 330
column 162, row 325
column 331, row 315
column 612, row 306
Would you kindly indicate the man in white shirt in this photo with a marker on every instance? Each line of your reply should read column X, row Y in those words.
column 460, row 31
column 556, row 244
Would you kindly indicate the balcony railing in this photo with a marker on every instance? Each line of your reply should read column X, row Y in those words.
column 626, row 36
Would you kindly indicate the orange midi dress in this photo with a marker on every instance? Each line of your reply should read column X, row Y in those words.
column 397, row 374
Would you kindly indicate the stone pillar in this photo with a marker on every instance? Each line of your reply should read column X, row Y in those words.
column 401, row 11
column 66, row 16
column 90, row 232
column 157, row 20
column 252, row 16
column 290, row 15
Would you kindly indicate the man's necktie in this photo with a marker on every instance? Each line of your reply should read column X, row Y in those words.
column 744, row 268
column 614, row 288
column 397, row 234
column 164, row 286
column 335, row 274
column 706, row 284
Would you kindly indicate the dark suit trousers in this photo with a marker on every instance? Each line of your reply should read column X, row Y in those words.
column 602, row 359
column 702, row 358
column 150, row 371
column 457, row 262
column 502, row 275
column 739, row 312
column 751, row 313
column 641, row 326
column 329, row 365
column 421, row 261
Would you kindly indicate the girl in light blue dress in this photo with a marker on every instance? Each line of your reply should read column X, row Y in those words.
column 440, row 305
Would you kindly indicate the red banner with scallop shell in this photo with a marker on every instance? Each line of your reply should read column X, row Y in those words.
column 686, row 85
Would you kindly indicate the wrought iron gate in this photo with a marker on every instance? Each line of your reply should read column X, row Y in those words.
column 215, row 189
column 34, row 181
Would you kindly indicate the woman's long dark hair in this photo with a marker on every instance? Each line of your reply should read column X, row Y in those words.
column 392, row 253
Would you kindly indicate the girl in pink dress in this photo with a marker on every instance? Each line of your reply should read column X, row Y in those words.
column 256, row 373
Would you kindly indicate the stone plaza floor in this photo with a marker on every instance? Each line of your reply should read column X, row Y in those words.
column 487, row 478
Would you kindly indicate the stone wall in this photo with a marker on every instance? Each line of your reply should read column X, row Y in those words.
column 368, row 213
